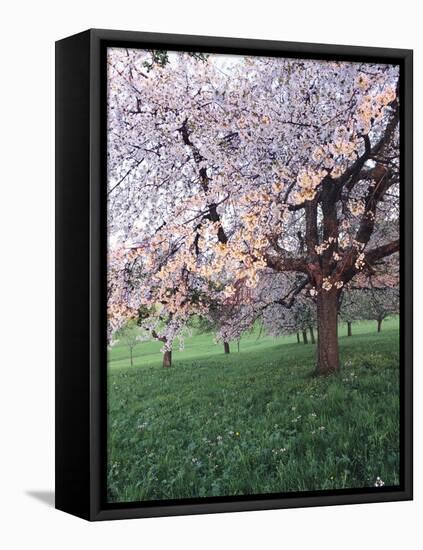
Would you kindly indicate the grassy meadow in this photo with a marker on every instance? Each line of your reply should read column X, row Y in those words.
column 254, row 421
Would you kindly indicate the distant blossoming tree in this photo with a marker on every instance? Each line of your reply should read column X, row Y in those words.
column 353, row 307
column 369, row 303
column 130, row 335
column 381, row 304
column 221, row 169
column 300, row 317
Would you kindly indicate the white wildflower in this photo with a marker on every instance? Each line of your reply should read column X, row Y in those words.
column 379, row 482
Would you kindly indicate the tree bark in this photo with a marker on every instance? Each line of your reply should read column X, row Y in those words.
column 327, row 319
column 313, row 340
column 349, row 331
column 130, row 357
column 298, row 338
column 238, row 345
column 226, row 347
column 305, row 339
column 167, row 359
column 379, row 325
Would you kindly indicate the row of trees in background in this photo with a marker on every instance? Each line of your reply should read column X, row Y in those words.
column 250, row 188
column 372, row 304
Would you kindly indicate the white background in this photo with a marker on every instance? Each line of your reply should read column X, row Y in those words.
column 28, row 32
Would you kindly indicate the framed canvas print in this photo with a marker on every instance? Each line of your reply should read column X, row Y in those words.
column 234, row 274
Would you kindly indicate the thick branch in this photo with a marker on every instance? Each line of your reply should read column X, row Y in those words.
column 381, row 175
column 286, row 264
column 380, row 252
column 311, row 230
column 289, row 299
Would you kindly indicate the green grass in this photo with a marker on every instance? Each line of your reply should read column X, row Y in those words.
column 253, row 422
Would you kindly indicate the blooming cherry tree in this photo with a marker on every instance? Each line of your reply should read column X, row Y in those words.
column 225, row 172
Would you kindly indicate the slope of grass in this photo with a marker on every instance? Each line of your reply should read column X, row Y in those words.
column 253, row 422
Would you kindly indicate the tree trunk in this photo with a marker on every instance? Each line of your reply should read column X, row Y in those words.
column 379, row 325
column 327, row 320
column 313, row 340
column 305, row 339
column 349, row 332
column 298, row 338
column 130, row 357
column 167, row 359
column 238, row 345
column 226, row 347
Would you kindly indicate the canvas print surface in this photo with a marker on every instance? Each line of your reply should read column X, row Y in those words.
column 253, row 275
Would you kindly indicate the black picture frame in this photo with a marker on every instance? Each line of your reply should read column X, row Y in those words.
column 81, row 271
